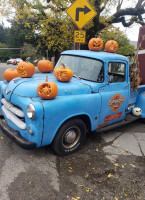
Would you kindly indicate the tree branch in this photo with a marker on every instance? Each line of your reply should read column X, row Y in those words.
column 120, row 15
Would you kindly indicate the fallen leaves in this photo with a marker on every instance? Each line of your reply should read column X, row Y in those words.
column 133, row 165
column 86, row 175
column 76, row 198
column 110, row 175
column 87, row 189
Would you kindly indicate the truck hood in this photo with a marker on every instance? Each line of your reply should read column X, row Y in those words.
column 27, row 87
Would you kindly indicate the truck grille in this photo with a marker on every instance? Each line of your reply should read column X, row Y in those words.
column 13, row 113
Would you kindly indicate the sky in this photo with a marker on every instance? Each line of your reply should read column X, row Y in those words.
column 131, row 32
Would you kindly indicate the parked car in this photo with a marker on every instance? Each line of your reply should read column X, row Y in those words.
column 18, row 60
column 14, row 62
column 10, row 61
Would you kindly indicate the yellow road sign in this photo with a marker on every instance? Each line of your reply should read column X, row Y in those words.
column 81, row 12
column 79, row 36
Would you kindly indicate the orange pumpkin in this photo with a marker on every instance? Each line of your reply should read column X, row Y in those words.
column 63, row 73
column 25, row 69
column 10, row 73
column 111, row 46
column 45, row 66
column 47, row 90
column 95, row 44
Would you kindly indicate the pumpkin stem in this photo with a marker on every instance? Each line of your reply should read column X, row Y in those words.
column 46, row 78
column 63, row 65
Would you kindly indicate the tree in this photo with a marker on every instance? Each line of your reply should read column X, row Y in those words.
column 126, row 16
column 54, row 29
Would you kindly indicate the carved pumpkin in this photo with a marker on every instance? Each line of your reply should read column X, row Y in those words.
column 25, row 69
column 45, row 66
column 63, row 73
column 47, row 90
column 10, row 74
column 111, row 46
column 95, row 44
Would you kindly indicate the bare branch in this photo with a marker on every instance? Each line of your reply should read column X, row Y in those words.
column 119, row 4
column 120, row 15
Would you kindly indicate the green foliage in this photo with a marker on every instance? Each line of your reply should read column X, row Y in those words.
column 125, row 48
column 29, row 51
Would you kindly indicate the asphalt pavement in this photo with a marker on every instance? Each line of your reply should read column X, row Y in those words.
column 110, row 166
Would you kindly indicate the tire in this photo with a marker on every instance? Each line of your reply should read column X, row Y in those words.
column 70, row 137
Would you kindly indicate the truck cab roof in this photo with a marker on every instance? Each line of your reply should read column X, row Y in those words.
column 105, row 56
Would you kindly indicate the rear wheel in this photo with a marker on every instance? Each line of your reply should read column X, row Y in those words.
column 69, row 137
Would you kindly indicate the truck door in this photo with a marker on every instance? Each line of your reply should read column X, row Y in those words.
column 115, row 94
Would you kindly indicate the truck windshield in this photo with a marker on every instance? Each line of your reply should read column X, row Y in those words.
column 82, row 67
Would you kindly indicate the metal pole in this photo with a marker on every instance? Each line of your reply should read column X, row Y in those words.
column 47, row 54
column 76, row 45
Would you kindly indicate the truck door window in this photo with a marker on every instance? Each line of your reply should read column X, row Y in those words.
column 116, row 72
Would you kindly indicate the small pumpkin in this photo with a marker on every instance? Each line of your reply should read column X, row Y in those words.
column 111, row 46
column 47, row 90
column 25, row 69
column 63, row 73
column 95, row 44
column 10, row 74
column 45, row 66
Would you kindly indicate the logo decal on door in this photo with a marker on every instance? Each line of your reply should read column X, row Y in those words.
column 115, row 102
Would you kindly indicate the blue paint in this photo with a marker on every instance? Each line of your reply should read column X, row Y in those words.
column 76, row 98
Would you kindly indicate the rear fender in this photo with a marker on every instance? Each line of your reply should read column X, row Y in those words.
column 140, row 102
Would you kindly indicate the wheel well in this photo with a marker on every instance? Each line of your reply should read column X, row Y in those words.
column 85, row 119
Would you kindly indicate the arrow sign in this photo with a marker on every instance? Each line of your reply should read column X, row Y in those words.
column 81, row 12
column 78, row 10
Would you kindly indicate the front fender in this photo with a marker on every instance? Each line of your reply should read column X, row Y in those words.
column 60, row 109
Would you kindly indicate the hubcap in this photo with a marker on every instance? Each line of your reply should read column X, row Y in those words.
column 71, row 137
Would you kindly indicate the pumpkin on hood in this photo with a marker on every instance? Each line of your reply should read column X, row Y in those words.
column 45, row 66
column 95, row 44
column 111, row 46
column 25, row 69
column 63, row 73
column 47, row 90
column 10, row 74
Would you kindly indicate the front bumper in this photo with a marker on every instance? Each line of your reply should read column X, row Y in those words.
column 15, row 137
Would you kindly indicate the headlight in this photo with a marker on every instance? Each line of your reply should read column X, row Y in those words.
column 31, row 111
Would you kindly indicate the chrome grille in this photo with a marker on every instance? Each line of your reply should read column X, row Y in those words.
column 13, row 113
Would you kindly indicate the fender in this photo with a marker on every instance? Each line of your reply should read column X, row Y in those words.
column 140, row 102
column 63, row 108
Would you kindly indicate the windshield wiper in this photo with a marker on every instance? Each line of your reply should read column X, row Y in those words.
column 77, row 76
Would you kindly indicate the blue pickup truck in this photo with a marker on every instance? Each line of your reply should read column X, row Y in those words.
column 97, row 98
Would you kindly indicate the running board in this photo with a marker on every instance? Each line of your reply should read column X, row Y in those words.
column 128, row 119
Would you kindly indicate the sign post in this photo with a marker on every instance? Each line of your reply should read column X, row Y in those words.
column 81, row 12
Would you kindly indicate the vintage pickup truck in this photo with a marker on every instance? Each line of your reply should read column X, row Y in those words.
column 97, row 98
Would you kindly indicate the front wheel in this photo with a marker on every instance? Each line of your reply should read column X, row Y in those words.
column 69, row 137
